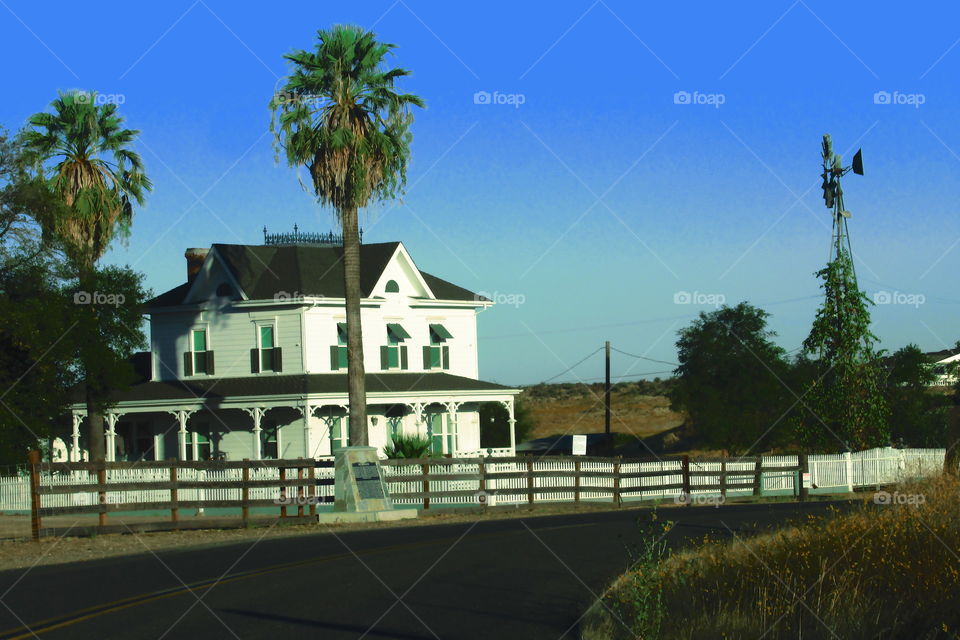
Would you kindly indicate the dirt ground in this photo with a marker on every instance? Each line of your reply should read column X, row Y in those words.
column 18, row 551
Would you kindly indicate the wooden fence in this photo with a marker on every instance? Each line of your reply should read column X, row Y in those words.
column 295, row 485
column 78, row 488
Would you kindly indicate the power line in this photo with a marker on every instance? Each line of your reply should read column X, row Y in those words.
column 590, row 355
column 672, row 364
column 630, row 375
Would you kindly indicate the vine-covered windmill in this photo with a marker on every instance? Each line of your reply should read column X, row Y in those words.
column 833, row 170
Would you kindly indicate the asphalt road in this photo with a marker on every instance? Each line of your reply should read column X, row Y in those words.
column 522, row 578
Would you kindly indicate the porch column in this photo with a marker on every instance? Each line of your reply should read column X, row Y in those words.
column 418, row 408
column 111, row 437
column 453, row 408
column 513, row 424
column 75, row 437
column 257, row 414
column 182, row 415
column 307, row 410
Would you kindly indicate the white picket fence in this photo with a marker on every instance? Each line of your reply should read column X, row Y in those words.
column 830, row 473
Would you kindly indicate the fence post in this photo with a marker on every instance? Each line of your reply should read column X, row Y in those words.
column 803, row 492
column 425, row 468
column 723, row 479
column 102, row 495
column 174, row 515
column 685, row 469
column 245, row 494
column 848, row 465
column 757, row 489
column 576, row 480
column 312, row 491
column 283, row 493
column 530, row 481
column 616, row 482
column 482, row 470
column 34, row 459
column 300, row 489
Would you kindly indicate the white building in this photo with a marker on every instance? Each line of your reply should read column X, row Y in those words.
column 248, row 358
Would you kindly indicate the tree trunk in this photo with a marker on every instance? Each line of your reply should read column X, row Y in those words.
column 95, row 435
column 351, row 287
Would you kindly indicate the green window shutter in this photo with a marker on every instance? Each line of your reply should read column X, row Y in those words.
column 426, row 357
column 384, row 358
column 210, row 362
column 277, row 359
column 254, row 360
column 187, row 363
column 446, row 357
column 334, row 357
column 403, row 358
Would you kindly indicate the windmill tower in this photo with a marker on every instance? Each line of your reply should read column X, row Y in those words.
column 833, row 170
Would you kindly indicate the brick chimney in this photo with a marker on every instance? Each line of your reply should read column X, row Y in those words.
column 195, row 258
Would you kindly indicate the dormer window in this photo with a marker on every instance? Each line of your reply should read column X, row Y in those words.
column 392, row 287
column 437, row 354
column 267, row 356
column 198, row 360
column 394, row 354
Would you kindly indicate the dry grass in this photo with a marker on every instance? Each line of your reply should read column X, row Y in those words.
column 879, row 572
column 640, row 415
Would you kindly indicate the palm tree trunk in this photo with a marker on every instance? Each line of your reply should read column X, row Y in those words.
column 351, row 285
column 95, row 434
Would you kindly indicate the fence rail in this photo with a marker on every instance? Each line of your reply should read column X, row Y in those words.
column 69, row 488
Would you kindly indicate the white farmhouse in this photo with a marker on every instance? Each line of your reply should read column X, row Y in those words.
column 248, row 358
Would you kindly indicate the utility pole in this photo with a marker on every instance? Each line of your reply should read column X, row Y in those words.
column 606, row 396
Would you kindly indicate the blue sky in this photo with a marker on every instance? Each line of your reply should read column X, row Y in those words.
column 585, row 193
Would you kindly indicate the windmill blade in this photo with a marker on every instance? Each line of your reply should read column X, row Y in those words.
column 858, row 162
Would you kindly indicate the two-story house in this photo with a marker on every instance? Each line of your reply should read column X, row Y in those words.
column 248, row 357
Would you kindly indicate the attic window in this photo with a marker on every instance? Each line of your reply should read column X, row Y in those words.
column 224, row 291
column 392, row 287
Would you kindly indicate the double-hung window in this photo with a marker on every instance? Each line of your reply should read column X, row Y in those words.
column 266, row 356
column 339, row 432
column 394, row 354
column 268, row 441
column 440, row 433
column 198, row 359
column 338, row 352
column 436, row 355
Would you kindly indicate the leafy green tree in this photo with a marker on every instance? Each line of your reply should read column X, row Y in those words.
column 495, row 423
column 918, row 416
column 732, row 380
column 84, row 153
column 340, row 116
column 845, row 401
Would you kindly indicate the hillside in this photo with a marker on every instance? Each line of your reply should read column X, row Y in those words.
column 640, row 408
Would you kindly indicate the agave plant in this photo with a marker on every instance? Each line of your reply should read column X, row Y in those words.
column 403, row 446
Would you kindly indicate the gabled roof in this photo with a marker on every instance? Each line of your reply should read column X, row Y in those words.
column 937, row 356
column 264, row 271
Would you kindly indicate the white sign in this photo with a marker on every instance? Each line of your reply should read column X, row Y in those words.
column 806, row 481
column 579, row 445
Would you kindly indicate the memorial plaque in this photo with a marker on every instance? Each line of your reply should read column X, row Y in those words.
column 369, row 484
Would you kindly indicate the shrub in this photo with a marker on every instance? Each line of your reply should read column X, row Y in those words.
column 405, row 446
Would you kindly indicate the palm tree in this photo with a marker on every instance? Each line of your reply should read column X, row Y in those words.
column 339, row 116
column 83, row 151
